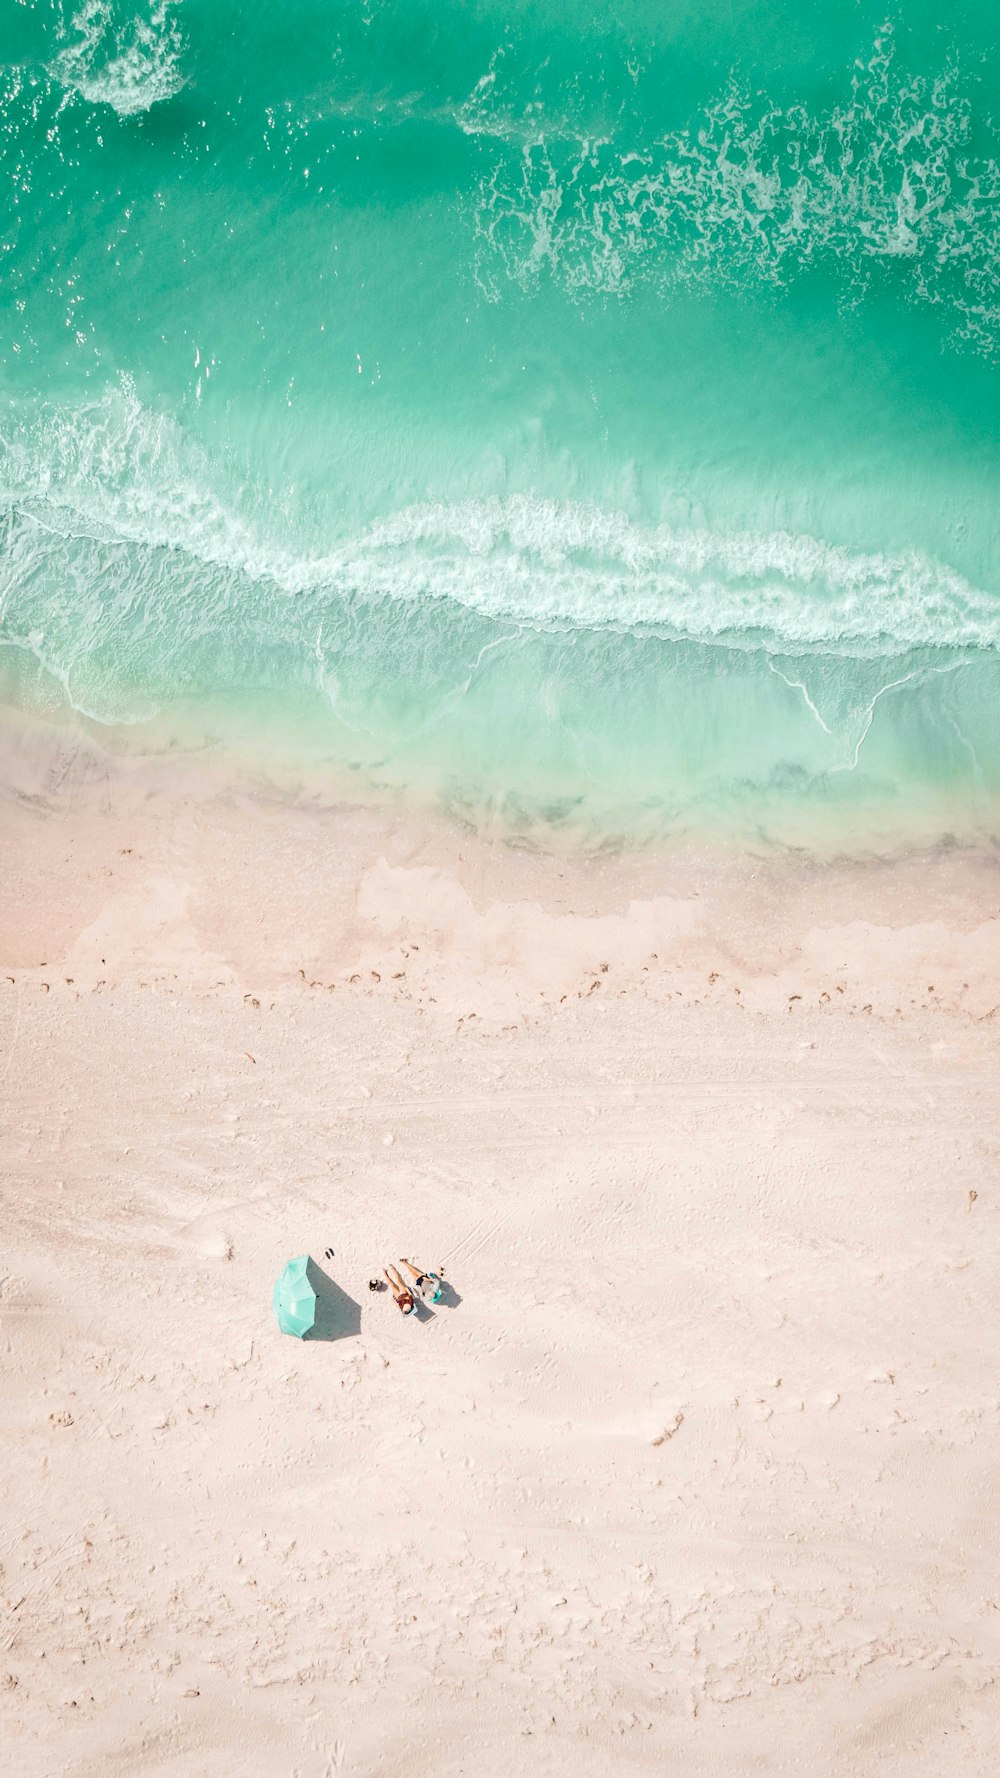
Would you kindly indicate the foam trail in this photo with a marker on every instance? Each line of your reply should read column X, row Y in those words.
column 130, row 67
column 758, row 191
column 797, row 685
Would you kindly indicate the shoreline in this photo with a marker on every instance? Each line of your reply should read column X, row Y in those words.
column 122, row 869
column 57, row 761
column 214, row 749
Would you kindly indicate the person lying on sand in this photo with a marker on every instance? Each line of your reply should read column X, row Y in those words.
column 428, row 1283
column 402, row 1296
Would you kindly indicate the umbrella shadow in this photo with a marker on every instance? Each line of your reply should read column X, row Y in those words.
column 338, row 1316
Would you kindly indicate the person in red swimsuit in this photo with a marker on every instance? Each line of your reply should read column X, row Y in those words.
column 403, row 1298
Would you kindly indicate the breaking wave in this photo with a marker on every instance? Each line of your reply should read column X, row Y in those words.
column 113, row 472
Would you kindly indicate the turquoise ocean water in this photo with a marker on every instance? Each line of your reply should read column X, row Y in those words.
column 582, row 419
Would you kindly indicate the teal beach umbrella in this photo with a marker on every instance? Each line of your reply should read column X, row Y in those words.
column 295, row 1299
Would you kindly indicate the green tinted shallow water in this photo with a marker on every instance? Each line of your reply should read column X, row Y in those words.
column 585, row 420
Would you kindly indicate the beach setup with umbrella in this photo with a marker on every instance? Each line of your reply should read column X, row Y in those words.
column 295, row 1299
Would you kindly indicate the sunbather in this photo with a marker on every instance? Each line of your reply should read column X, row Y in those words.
column 428, row 1283
column 402, row 1295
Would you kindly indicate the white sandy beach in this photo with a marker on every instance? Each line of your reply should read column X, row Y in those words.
column 699, row 1475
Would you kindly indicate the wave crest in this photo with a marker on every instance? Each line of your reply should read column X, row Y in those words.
column 113, row 472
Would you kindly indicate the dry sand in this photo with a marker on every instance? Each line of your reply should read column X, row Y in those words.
column 699, row 1474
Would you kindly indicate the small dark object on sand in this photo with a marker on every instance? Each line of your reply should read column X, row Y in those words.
column 329, row 1254
column 375, row 1284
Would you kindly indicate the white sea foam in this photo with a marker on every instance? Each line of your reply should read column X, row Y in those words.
column 113, row 472
column 753, row 190
column 130, row 66
column 548, row 562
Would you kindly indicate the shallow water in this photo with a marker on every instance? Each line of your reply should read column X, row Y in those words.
column 587, row 424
